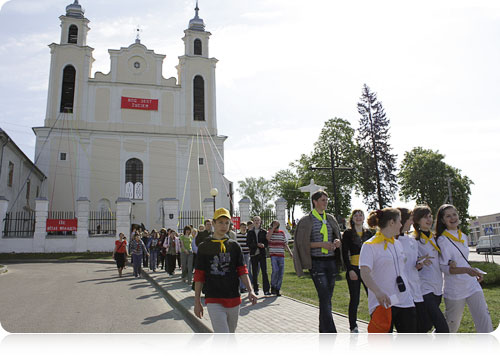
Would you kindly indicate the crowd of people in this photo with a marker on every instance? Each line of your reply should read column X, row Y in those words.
column 405, row 274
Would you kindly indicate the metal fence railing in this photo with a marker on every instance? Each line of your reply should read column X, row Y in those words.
column 102, row 223
column 19, row 224
column 190, row 217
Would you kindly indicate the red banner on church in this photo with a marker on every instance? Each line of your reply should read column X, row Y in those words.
column 61, row 225
column 139, row 104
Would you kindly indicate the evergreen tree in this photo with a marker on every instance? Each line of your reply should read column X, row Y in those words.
column 376, row 179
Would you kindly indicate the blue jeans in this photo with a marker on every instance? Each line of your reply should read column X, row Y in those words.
column 278, row 264
column 153, row 259
column 323, row 273
column 246, row 259
column 136, row 261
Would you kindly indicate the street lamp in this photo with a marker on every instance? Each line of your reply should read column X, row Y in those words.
column 213, row 193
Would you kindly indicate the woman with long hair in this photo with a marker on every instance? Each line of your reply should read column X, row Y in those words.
column 412, row 268
column 431, row 276
column 120, row 252
column 352, row 240
column 382, row 269
column 461, row 280
column 137, row 249
column 154, row 249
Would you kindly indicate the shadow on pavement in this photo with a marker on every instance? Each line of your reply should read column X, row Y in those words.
column 165, row 316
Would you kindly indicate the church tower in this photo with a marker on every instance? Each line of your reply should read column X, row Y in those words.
column 70, row 67
column 196, row 73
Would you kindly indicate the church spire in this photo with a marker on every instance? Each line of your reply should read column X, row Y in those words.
column 75, row 10
column 196, row 23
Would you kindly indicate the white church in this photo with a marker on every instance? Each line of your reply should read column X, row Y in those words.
column 131, row 133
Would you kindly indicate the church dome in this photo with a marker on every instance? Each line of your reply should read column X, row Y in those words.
column 75, row 10
column 196, row 23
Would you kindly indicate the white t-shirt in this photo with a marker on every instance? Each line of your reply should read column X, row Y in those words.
column 410, row 249
column 457, row 286
column 431, row 277
column 384, row 272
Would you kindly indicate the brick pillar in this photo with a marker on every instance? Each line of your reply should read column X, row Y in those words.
column 280, row 205
column 244, row 206
column 208, row 208
column 123, row 209
column 82, row 214
column 171, row 211
column 41, row 215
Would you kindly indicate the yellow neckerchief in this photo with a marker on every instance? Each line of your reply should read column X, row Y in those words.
column 428, row 239
column 379, row 238
column 324, row 229
column 360, row 233
column 221, row 241
column 447, row 234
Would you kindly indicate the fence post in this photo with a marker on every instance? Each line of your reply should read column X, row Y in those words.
column 171, row 211
column 4, row 206
column 280, row 205
column 82, row 214
column 123, row 209
column 41, row 215
column 244, row 206
column 208, row 209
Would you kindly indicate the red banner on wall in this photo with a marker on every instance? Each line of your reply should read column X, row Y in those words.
column 139, row 104
column 61, row 225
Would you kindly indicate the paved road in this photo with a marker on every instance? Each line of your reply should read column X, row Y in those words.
column 80, row 298
column 474, row 256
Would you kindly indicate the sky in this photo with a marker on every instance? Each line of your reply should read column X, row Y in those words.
column 287, row 66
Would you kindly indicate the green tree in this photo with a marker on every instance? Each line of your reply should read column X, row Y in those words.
column 423, row 177
column 377, row 181
column 259, row 191
column 285, row 184
column 340, row 134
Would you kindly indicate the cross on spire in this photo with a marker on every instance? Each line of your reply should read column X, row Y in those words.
column 138, row 34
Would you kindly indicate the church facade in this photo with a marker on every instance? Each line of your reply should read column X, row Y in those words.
column 131, row 133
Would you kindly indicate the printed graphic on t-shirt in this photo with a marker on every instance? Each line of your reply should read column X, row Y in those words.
column 220, row 264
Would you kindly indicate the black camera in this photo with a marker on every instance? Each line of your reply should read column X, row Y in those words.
column 400, row 283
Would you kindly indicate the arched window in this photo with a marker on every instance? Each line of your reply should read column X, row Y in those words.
column 197, row 47
column 133, row 178
column 68, row 89
column 198, row 98
column 73, row 34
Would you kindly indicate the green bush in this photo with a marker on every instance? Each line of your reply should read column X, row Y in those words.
column 493, row 272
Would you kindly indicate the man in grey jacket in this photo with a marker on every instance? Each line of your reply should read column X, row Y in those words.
column 317, row 236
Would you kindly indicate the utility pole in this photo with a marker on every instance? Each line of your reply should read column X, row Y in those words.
column 332, row 168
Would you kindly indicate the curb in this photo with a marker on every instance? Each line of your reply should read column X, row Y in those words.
column 193, row 321
column 58, row 261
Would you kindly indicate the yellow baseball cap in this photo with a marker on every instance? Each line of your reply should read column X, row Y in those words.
column 221, row 212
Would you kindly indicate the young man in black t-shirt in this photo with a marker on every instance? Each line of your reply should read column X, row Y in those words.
column 219, row 268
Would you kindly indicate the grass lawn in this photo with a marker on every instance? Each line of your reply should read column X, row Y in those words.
column 55, row 256
column 303, row 289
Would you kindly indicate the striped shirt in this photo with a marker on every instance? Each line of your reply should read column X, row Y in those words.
column 242, row 240
column 316, row 236
column 277, row 244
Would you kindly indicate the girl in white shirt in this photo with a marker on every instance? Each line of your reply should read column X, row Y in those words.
column 431, row 276
column 381, row 264
column 412, row 266
column 461, row 281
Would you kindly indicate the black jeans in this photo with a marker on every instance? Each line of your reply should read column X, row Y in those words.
column 323, row 273
column 431, row 302
column 404, row 319
column 145, row 260
column 354, row 292
column 259, row 260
